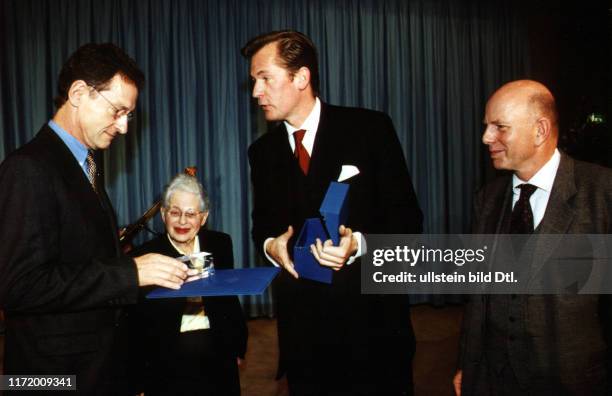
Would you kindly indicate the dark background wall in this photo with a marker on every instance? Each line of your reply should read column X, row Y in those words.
column 570, row 52
column 430, row 64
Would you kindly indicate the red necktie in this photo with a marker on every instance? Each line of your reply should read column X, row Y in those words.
column 300, row 151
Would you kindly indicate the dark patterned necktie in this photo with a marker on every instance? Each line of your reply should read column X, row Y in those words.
column 522, row 217
column 91, row 170
column 300, row 151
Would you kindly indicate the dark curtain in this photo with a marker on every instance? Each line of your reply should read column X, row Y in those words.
column 430, row 64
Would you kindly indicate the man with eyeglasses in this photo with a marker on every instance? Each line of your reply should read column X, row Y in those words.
column 63, row 278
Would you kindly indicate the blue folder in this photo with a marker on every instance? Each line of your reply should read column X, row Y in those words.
column 234, row 282
column 333, row 212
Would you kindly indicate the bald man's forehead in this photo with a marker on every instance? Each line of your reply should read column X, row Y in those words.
column 525, row 88
column 505, row 108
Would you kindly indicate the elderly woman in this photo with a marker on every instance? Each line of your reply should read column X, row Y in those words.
column 191, row 345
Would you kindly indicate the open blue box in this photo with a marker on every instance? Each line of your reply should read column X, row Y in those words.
column 334, row 211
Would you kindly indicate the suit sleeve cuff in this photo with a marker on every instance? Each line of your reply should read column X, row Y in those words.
column 361, row 247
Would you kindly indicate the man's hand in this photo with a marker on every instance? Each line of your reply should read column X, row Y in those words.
column 277, row 250
column 156, row 269
column 457, row 382
column 335, row 256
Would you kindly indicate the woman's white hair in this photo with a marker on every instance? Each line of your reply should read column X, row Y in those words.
column 186, row 183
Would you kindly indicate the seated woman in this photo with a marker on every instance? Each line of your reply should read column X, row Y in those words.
column 190, row 345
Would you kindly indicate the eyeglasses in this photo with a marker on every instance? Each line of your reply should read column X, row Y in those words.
column 176, row 214
column 114, row 111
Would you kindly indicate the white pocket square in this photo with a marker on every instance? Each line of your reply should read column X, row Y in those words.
column 347, row 172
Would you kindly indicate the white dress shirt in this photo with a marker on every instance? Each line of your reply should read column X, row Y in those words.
column 310, row 125
column 194, row 317
column 543, row 180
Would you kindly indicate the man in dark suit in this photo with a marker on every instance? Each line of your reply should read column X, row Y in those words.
column 536, row 344
column 333, row 340
column 63, row 279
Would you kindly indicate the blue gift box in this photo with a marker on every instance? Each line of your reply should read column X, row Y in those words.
column 334, row 210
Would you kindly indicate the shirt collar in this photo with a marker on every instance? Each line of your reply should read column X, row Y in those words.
column 311, row 122
column 78, row 150
column 196, row 245
column 545, row 177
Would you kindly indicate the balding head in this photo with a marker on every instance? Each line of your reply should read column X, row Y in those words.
column 538, row 99
column 521, row 127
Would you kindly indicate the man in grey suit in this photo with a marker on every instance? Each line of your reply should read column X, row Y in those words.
column 536, row 344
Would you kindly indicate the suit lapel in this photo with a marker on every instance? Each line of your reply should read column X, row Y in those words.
column 100, row 213
column 166, row 248
column 495, row 211
column 282, row 149
column 58, row 153
column 325, row 160
column 505, row 210
column 559, row 213
column 495, row 205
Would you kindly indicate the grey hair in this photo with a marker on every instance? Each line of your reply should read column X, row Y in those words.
column 186, row 183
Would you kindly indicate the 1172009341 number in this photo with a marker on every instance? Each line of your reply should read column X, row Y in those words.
column 38, row 382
